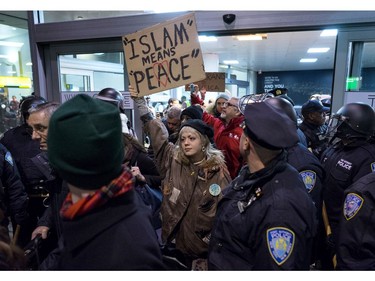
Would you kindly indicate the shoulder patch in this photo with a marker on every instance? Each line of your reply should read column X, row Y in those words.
column 309, row 179
column 280, row 241
column 353, row 203
column 8, row 158
column 373, row 166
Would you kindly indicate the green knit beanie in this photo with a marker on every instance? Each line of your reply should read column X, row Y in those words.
column 85, row 142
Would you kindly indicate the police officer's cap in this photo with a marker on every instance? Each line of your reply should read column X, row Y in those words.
column 269, row 127
column 279, row 91
column 313, row 106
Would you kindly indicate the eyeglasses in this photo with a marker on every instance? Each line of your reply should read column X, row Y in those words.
column 226, row 104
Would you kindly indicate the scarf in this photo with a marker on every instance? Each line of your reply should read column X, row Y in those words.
column 118, row 186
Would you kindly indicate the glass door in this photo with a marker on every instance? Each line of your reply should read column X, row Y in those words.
column 354, row 68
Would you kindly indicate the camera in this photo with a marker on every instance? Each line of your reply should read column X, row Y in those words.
column 229, row 18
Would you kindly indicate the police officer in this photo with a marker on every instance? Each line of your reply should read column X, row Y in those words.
column 18, row 141
column 314, row 125
column 13, row 197
column 356, row 240
column 309, row 167
column 306, row 163
column 266, row 220
column 113, row 96
column 350, row 157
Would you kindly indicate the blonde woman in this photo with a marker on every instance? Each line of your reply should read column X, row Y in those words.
column 194, row 174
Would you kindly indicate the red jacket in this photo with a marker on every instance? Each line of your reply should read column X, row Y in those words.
column 227, row 139
column 195, row 99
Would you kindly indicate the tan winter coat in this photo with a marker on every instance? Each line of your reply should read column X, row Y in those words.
column 189, row 199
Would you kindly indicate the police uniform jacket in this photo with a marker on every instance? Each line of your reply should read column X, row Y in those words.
column 356, row 240
column 266, row 221
column 190, row 194
column 18, row 141
column 227, row 139
column 314, row 137
column 13, row 197
column 343, row 166
column 311, row 171
column 115, row 236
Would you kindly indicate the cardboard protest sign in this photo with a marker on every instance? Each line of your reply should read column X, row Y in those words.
column 164, row 56
column 214, row 82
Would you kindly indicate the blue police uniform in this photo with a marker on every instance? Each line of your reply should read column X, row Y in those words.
column 311, row 171
column 343, row 166
column 266, row 221
column 315, row 137
column 356, row 240
column 18, row 141
column 13, row 197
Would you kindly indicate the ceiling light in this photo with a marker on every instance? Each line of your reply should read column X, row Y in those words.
column 204, row 38
column 308, row 60
column 249, row 37
column 318, row 50
column 329, row 32
column 11, row 44
column 230, row 62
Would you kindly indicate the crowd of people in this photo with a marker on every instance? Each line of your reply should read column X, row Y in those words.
column 236, row 184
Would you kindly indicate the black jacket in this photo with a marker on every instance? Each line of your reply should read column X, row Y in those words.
column 115, row 236
column 13, row 197
column 315, row 137
column 18, row 141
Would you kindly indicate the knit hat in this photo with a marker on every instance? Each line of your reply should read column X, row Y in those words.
column 200, row 126
column 269, row 127
column 222, row 96
column 85, row 142
column 193, row 111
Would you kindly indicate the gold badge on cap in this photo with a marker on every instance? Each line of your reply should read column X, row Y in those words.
column 214, row 189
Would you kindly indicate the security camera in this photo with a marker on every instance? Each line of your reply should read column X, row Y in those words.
column 229, row 18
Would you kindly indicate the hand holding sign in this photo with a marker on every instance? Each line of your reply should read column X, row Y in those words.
column 164, row 56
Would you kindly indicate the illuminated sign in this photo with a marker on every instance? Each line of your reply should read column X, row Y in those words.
column 18, row 82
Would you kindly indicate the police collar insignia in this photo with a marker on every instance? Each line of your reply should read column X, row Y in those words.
column 214, row 189
column 280, row 241
column 353, row 202
column 309, row 179
column 373, row 166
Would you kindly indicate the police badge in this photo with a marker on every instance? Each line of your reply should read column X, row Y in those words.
column 353, row 202
column 309, row 179
column 280, row 242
